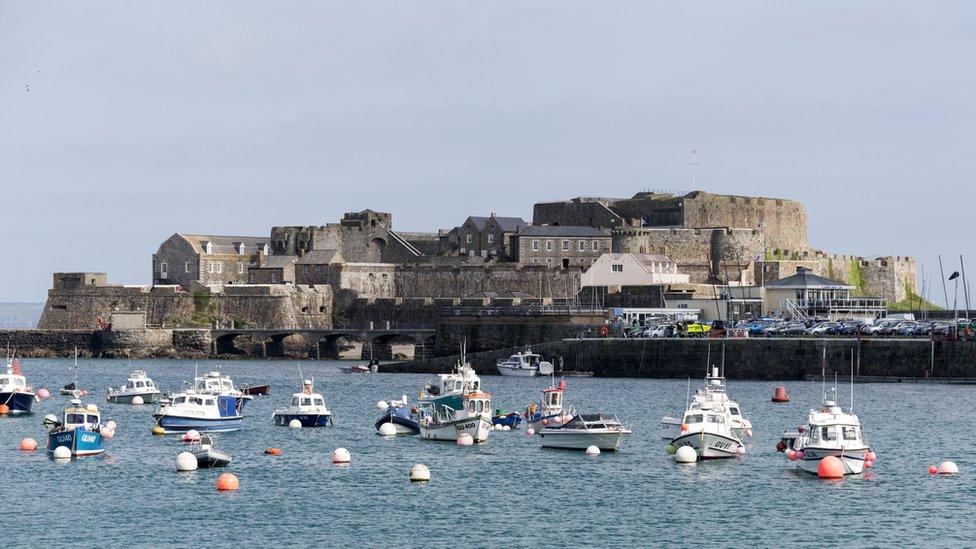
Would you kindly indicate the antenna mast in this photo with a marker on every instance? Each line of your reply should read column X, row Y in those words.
column 694, row 165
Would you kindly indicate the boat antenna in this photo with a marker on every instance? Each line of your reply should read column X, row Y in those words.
column 708, row 360
column 823, row 371
column 722, row 374
column 852, row 381
column 688, row 394
column 301, row 378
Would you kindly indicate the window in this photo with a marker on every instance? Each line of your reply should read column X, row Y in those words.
column 210, row 266
column 220, row 267
column 471, row 406
column 828, row 433
column 186, row 266
column 491, row 238
column 164, row 270
column 581, row 246
column 467, row 238
column 294, row 401
column 535, row 245
column 548, row 245
column 240, row 249
column 565, row 245
column 306, row 401
column 240, row 268
column 850, row 433
column 209, row 247
column 319, row 402
column 264, row 249
column 617, row 267
column 463, row 251
column 596, row 245
column 694, row 419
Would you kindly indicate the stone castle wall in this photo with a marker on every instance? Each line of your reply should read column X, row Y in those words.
column 251, row 305
column 421, row 281
column 892, row 278
column 707, row 255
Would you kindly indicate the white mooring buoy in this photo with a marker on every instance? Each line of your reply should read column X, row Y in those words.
column 185, row 461
column 419, row 473
column 388, row 429
column 686, row 454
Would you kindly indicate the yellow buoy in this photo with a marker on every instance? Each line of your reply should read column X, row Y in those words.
column 157, row 430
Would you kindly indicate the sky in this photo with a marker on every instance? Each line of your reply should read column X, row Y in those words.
column 124, row 122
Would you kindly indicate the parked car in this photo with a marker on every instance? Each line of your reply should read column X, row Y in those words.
column 823, row 328
column 697, row 329
column 659, row 330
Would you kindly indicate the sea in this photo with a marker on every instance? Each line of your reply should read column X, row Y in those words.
column 506, row 492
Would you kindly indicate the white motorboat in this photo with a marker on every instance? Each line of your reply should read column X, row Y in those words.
column 447, row 423
column 449, row 388
column 829, row 432
column 709, row 432
column 308, row 407
column 713, row 397
column 201, row 412
column 137, row 385
column 527, row 364
column 15, row 393
column 585, row 430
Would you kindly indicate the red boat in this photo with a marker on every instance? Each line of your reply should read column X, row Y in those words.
column 256, row 389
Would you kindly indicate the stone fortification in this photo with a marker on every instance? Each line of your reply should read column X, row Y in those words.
column 706, row 255
column 360, row 237
column 892, row 277
column 418, row 281
column 783, row 222
column 90, row 307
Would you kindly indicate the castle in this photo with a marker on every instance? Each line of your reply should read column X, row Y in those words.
column 360, row 269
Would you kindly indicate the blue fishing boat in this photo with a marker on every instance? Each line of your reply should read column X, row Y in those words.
column 79, row 431
column 200, row 412
column 402, row 416
column 510, row 419
column 14, row 391
column 308, row 407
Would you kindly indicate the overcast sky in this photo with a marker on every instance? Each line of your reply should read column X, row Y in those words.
column 144, row 119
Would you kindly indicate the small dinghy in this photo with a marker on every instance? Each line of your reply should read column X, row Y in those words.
column 256, row 389
column 369, row 368
column 507, row 419
column 402, row 416
column 208, row 456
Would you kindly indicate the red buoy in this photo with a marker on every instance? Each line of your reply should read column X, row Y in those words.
column 830, row 467
column 780, row 446
column 780, row 395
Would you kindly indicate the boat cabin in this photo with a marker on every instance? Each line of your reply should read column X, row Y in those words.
column 81, row 416
column 11, row 382
column 452, row 383
column 478, row 404
column 138, row 381
column 552, row 399
column 212, row 382
column 194, row 400
column 301, row 400
column 696, row 417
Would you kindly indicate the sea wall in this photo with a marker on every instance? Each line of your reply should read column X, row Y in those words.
column 423, row 281
column 769, row 359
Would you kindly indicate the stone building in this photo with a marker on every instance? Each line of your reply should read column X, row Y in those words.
column 314, row 267
column 185, row 259
column 490, row 237
column 561, row 247
column 784, row 222
column 360, row 237
column 714, row 256
column 273, row 269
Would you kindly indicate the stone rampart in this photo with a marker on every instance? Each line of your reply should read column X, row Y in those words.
column 891, row 277
column 421, row 281
column 707, row 255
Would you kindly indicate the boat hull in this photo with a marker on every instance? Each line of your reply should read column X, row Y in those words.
column 512, row 371
column 709, row 445
column 404, row 425
column 670, row 427
column 573, row 439
column 853, row 460
column 509, row 420
column 18, row 402
column 172, row 423
column 208, row 459
column 477, row 427
column 80, row 441
column 307, row 420
column 147, row 398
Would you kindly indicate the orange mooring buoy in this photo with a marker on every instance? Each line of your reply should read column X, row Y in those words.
column 780, row 395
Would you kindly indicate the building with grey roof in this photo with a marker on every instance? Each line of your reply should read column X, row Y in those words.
column 561, row 247
column 186, row 259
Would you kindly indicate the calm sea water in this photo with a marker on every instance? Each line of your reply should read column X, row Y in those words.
column 506, row 492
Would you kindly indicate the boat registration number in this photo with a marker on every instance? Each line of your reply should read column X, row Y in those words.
column 722, row 445
column 465, row 426
column 63, row 438
column 88, row 438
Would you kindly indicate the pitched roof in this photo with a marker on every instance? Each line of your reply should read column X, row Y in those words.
column 563, row 230
column 222, row 244
column 479, row 222
column 320, row 257
column 277, row 261
column 507, row 224
column 804, row 278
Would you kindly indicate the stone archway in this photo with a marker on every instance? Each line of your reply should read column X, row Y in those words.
column 394, row 347
column 234, row 344
column 341, row 347
column 286, row 345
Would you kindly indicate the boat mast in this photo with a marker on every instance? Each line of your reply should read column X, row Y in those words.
column 852, row 381
column 823, row 371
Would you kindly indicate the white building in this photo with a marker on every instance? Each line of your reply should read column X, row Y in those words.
column 616, row 270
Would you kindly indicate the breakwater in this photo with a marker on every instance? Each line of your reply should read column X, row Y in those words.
column 759, row 358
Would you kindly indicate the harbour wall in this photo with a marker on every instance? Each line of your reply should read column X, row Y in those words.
column 766, row 359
